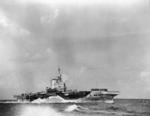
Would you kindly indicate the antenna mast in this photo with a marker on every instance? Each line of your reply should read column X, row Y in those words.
column 59, row 72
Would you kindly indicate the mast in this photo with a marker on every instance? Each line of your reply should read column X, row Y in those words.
column 59, row 74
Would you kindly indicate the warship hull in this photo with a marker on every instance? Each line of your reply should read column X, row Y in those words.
column 58, row 92
column 63, row 97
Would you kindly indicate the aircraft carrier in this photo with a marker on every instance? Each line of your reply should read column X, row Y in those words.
column 58, row 92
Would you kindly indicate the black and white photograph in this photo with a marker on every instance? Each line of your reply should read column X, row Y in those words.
column 74, row 57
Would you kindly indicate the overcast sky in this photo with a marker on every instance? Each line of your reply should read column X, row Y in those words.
column 103, row 44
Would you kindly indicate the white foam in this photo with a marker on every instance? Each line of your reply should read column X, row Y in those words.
column 55, row 99
column 39, row 111
column 39, row 100
column 71, row 108
column 109, row 101
column 52, row 99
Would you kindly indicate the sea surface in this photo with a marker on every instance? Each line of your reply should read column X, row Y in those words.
column 121, row 107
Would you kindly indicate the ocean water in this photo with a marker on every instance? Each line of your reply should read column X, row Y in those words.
column 121, row 107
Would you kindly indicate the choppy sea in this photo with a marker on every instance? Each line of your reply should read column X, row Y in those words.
column 121, row 107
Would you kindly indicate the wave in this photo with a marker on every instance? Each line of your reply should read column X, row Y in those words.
column 55, row 99
column 75, row 107
column 39, row 111
column 108, row 111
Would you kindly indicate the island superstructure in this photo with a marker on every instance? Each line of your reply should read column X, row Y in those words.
column 59, row 90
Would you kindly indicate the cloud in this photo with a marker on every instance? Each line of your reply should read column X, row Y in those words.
column 10, row 29
column 84, row 2
column 145, row 73
column 145, row 78
column 10, row 33
column 50, row 17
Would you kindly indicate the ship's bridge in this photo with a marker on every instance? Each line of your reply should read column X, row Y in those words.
column 57, row 83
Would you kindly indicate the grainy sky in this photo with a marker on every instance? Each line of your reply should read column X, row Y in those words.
column 104, row 43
